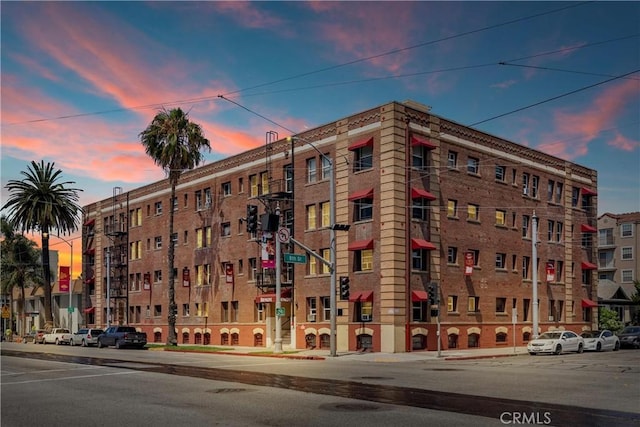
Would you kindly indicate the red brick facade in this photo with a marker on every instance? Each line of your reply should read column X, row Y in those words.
column 399, row 173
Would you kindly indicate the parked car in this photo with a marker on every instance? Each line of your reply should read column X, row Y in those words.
column 122, row 336
column 630, row 337
column 600, row 340
column 556, row 342
column 57, row 336
column 86, row 337
column 35, row 337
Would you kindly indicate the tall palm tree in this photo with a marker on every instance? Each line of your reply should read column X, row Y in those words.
column 21, row 266
column 42, row 203
column 175, row 144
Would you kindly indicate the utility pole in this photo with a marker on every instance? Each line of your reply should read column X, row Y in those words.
column 534, row 275
column 278, row 339
column 108, row 287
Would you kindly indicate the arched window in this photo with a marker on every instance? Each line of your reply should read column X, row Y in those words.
column 419, row 342
column 198, row 338
column 157, row 337
column 224, row 339
column 526, row 336
column 235, row 338
column 473, row 341
column 310, row 340
column 453, row 341
column 185, row 338
column 501, row 337
column 365, row 341
column 257, row 340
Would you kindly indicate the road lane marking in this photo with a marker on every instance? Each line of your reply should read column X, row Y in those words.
column 70, row 378
column 53, row 370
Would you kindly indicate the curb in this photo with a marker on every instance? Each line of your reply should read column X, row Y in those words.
column 480, row 356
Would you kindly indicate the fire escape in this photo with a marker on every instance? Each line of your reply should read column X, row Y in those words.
column 116, row 257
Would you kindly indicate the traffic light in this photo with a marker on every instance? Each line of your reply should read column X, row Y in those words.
column 252, row 218
column 344, row 287
column 432, row 290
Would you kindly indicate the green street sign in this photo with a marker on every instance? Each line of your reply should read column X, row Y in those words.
column 70, row 309
column 280, row 311
column 295, row 258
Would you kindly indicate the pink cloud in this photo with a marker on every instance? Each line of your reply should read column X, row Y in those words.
column 247, row 14
column 577, row 128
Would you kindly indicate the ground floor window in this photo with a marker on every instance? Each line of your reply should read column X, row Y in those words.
column 526, row 336
column 501, row 337
column 365, row 341
column 185, row 338
column 310, row 340
column 224, row 339
column 235, row 339
column 157, row 337
column 473, row 341
column 419, row 342
column 325, row 341
column 257, row 340
column 453, row 341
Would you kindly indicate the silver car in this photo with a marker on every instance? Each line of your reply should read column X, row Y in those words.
column 556, row 342
column 600, row 340
column 86, row 337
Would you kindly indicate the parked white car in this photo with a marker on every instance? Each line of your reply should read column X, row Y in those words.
column 600, row 340
column 86, row 337
column 57, row 336
column 556, row 342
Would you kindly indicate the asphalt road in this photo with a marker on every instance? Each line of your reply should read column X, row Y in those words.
column 571, row 389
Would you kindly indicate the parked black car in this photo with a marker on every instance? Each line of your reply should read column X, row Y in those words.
column 630, row 337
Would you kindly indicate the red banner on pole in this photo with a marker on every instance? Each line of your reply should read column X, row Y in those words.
column 551, row 271
column 468, row 263
column 64, row 279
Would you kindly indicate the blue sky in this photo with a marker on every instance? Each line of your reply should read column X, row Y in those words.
column 81, row 80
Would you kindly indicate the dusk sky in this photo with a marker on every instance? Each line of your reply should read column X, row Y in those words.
column 81, row 80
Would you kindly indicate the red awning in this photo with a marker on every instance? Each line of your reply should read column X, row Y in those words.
column 89, row 310
column 361, row 244
column 89, row 222
column 422, row 244
column 417, row 296
column 587, row 192
column 362, row 194
column 361, row 143
column 285, row 295
column 589, row 266
column 421, row 140
column 586, row 228
column 587, row 303
column 417, row 193
column 361, row 296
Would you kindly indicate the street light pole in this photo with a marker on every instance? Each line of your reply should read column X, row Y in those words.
column 534, row 276
column 278, row 339
column 69, row 315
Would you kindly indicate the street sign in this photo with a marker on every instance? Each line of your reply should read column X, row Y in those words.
column 70, row 309
column 283, row 235
column 280, row 311
column 295, row 258
column 5, row 312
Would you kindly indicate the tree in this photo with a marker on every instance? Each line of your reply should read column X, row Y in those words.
column 608, row 319
column 21, row 266
column 175, row 144
column 42, row 203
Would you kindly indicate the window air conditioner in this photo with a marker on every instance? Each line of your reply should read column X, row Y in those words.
column 311, row 318
column 366, row 317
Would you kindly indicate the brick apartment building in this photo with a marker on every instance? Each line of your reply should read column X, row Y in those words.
column 428, row 202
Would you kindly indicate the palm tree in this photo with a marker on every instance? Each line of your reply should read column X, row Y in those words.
column 21, row 266
column 174, row 143
column 41, row 202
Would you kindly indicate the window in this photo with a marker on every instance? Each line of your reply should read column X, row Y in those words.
column 575, row 197
column 473, row 305
column 312, row 309
column 420, row 208
column 473, row 212
column 501, row 217
column 452, row 304
column 207, row 198
column 452, row 160
column 311, row 170
column 473, row 165
column 535, row 186
column 525, row 226
column 225, row 229
column 260, row 312
column 363, row 158
column 264, row 183
column 419, row 260
column 325, row 209
column 559, row 268
column 199, row 238
column 157, row 276
column 157, row 310
column 452, row 208
column 364, row 260
column 501, row 173
column 626, row 230
column 311, row 217
column 525, row 183
column 326, row 255
column 326, row 166
column 185, row 310
column 326, row 308
column 526, row 304
column 501, row 305
column 253, row 266
column 174, row 238
column 157, row 241
column 234, row 311
column 550, row 187
column 559, row 232
column 174, row 204
column 476, row 257
column 452, row 255
column 226, row 188
column 199, row 203
column 551, row 225
column 313, row 266
column 363, row 209
column 288, row 178
column 224, row 312
column 514, row 262
column 526, row 261
column 364, row 311
column 559, row 190
column 626, row 275
column 419, row 157
column 253, row 185
column 501, row 261
column 240, row 185
column 605, row 237
column 158, row 208
column 626, row 253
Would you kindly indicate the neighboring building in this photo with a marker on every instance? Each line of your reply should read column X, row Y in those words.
column 428, row 201
column 619, row 262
